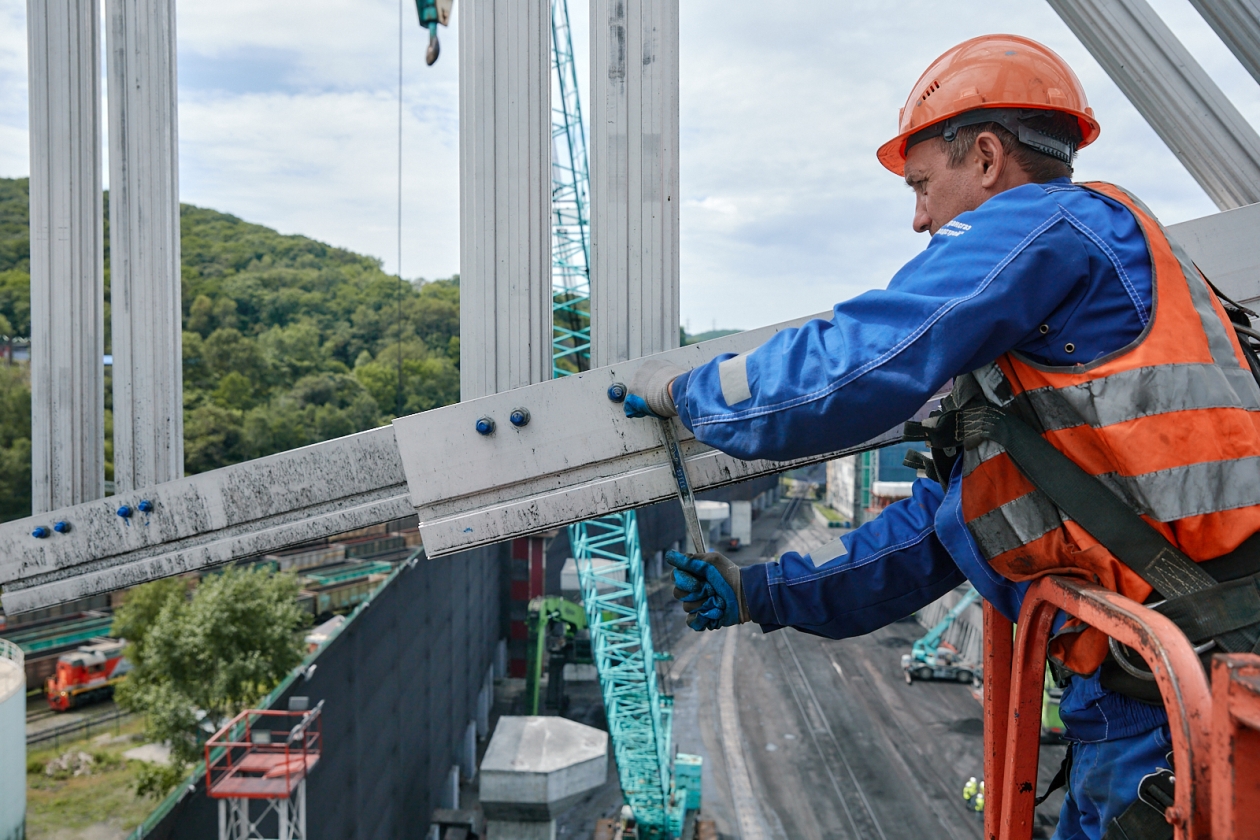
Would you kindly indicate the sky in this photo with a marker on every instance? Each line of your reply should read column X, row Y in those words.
column 289, row 117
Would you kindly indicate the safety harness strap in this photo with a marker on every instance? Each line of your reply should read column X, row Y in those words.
column 1102, row 513
column 1144, row 819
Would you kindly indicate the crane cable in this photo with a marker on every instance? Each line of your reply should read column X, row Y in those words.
column 398, row 398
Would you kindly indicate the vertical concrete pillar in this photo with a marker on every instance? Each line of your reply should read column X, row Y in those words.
column 634, row 178
column 67, row 254
column 144, row 243
column 505, row 195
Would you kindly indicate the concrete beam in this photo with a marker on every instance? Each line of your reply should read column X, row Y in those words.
column 203, row 520
column 569, row 463
column 1188, row 111
column 1237, row 23
column 505, row 195
column 144, row 243
column 634, row 179
column 67, row 256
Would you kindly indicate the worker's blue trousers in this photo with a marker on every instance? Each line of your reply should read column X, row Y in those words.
column 1104, row 781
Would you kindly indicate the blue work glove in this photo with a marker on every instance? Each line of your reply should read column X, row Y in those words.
column 710, row 589
column 648, row 393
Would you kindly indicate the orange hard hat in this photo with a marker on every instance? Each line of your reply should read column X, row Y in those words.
column 991, row 72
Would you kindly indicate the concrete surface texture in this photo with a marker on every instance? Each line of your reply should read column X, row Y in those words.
column 537, row 767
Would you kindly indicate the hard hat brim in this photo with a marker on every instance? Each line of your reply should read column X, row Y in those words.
column 893, row 153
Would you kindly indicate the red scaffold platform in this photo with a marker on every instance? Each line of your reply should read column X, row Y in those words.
column 262, row 754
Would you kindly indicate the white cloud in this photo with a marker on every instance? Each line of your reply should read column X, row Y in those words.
column 325, row 165
column 289, row 119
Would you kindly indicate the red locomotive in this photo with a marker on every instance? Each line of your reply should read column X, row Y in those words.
column 87, row 674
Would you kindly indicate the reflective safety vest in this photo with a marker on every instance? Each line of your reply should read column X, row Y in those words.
column 1171, row 423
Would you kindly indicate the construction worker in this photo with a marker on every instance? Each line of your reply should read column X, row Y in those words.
column 1063, row 315
column 970, row 788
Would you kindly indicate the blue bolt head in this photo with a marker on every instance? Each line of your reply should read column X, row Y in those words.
column 40, row 532
column 617, row 392
column 519, row 417
column 62, row 527
column 145, row 506
column 125, row 511
column 485, row 426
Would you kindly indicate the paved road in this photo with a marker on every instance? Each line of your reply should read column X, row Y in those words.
column 806, row 738
column 811, row 738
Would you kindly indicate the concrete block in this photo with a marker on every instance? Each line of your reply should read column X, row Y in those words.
column 536, row 767
column 515, row 830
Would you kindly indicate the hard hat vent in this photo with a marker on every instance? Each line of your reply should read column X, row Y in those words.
column 931, row 89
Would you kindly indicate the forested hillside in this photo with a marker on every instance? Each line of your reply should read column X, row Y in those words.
column 287, row 341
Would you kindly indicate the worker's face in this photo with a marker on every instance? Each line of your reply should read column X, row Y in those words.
column 942, row 192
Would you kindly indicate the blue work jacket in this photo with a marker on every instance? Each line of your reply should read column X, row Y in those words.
column 1054, row 271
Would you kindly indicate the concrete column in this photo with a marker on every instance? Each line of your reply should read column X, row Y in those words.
column 144, row 243
column 634, row 178
column 67, row 254
column 505, row 195
column 741, row 522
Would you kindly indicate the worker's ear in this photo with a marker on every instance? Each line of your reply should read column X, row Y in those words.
column 990, row 158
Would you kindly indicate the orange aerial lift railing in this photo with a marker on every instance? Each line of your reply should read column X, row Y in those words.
column 1215, row 733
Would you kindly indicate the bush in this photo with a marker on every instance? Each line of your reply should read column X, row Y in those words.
column 157, row 780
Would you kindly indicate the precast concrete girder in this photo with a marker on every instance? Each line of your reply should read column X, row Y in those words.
column 1173, row 93
column 576, row 457
column 67, row 254
column 203, row 520
column 144, row 243
column 1237, row 23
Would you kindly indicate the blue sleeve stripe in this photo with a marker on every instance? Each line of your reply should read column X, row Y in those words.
column 922, row 328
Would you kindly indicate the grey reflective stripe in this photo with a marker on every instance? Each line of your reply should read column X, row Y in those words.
column 1191, row 490
column 828, row 552
column 733, row 377
column 1166, row 496
column 1143, row 392
column 1016, row 523
column 973, row 458
column 1218, row 339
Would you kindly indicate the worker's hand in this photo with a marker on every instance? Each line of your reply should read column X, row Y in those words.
column 710, row 589
column 648, row 393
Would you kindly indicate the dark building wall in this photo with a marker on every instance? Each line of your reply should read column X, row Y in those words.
column 400, row 686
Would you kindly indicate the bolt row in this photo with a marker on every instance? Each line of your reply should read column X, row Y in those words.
column 518, row 418
column 62, row 527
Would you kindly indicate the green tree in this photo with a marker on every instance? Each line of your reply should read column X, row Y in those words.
column 287, row 341
column 200, row 661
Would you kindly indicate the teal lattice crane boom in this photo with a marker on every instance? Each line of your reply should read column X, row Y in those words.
column 610, row 564
column 570, row 203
